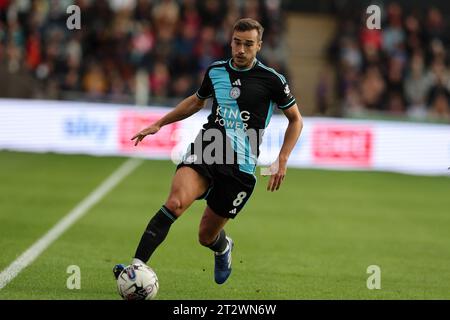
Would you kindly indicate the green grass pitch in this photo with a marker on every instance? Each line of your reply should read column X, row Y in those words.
column 313, row 239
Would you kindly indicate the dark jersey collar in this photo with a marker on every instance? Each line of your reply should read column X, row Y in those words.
column 255, row 62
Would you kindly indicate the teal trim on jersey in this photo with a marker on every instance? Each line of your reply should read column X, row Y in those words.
column 255, row 62
column 288, row 104
column 279, row 75
column 269, row 113
column 218, row 62
column 220, row 79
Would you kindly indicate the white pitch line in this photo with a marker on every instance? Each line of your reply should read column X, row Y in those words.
column 7, row 275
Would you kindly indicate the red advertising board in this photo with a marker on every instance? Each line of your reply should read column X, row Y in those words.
column 343, row 145
column 131, row 122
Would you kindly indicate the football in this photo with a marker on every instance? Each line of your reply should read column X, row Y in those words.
column 137, row 282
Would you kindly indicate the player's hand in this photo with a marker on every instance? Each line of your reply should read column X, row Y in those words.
column 278, row 170
column 152, row 129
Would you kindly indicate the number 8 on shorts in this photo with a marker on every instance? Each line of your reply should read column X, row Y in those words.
column 240, row 197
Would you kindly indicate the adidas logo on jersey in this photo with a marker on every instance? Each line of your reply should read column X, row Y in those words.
column 237, row 83
column 233, row 211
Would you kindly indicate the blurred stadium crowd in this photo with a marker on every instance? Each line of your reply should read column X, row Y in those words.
column 164, row 46
column 401, row 69
column 172, row 41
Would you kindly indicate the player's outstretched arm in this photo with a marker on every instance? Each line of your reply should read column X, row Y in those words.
column 293, row 131
column 183, row 110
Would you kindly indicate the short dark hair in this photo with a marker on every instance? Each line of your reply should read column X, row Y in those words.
column 248, row 24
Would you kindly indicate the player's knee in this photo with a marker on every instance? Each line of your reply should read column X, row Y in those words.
column 175, row 204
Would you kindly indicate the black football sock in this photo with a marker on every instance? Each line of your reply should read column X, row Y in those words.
column 220, row 244
column 156, row 232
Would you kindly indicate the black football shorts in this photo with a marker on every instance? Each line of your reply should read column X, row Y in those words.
column 229, row 188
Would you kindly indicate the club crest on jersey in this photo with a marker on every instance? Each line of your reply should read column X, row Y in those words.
column 235, row 93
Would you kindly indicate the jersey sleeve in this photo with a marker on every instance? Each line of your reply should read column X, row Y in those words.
column 282, row 95
column 206, row 89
